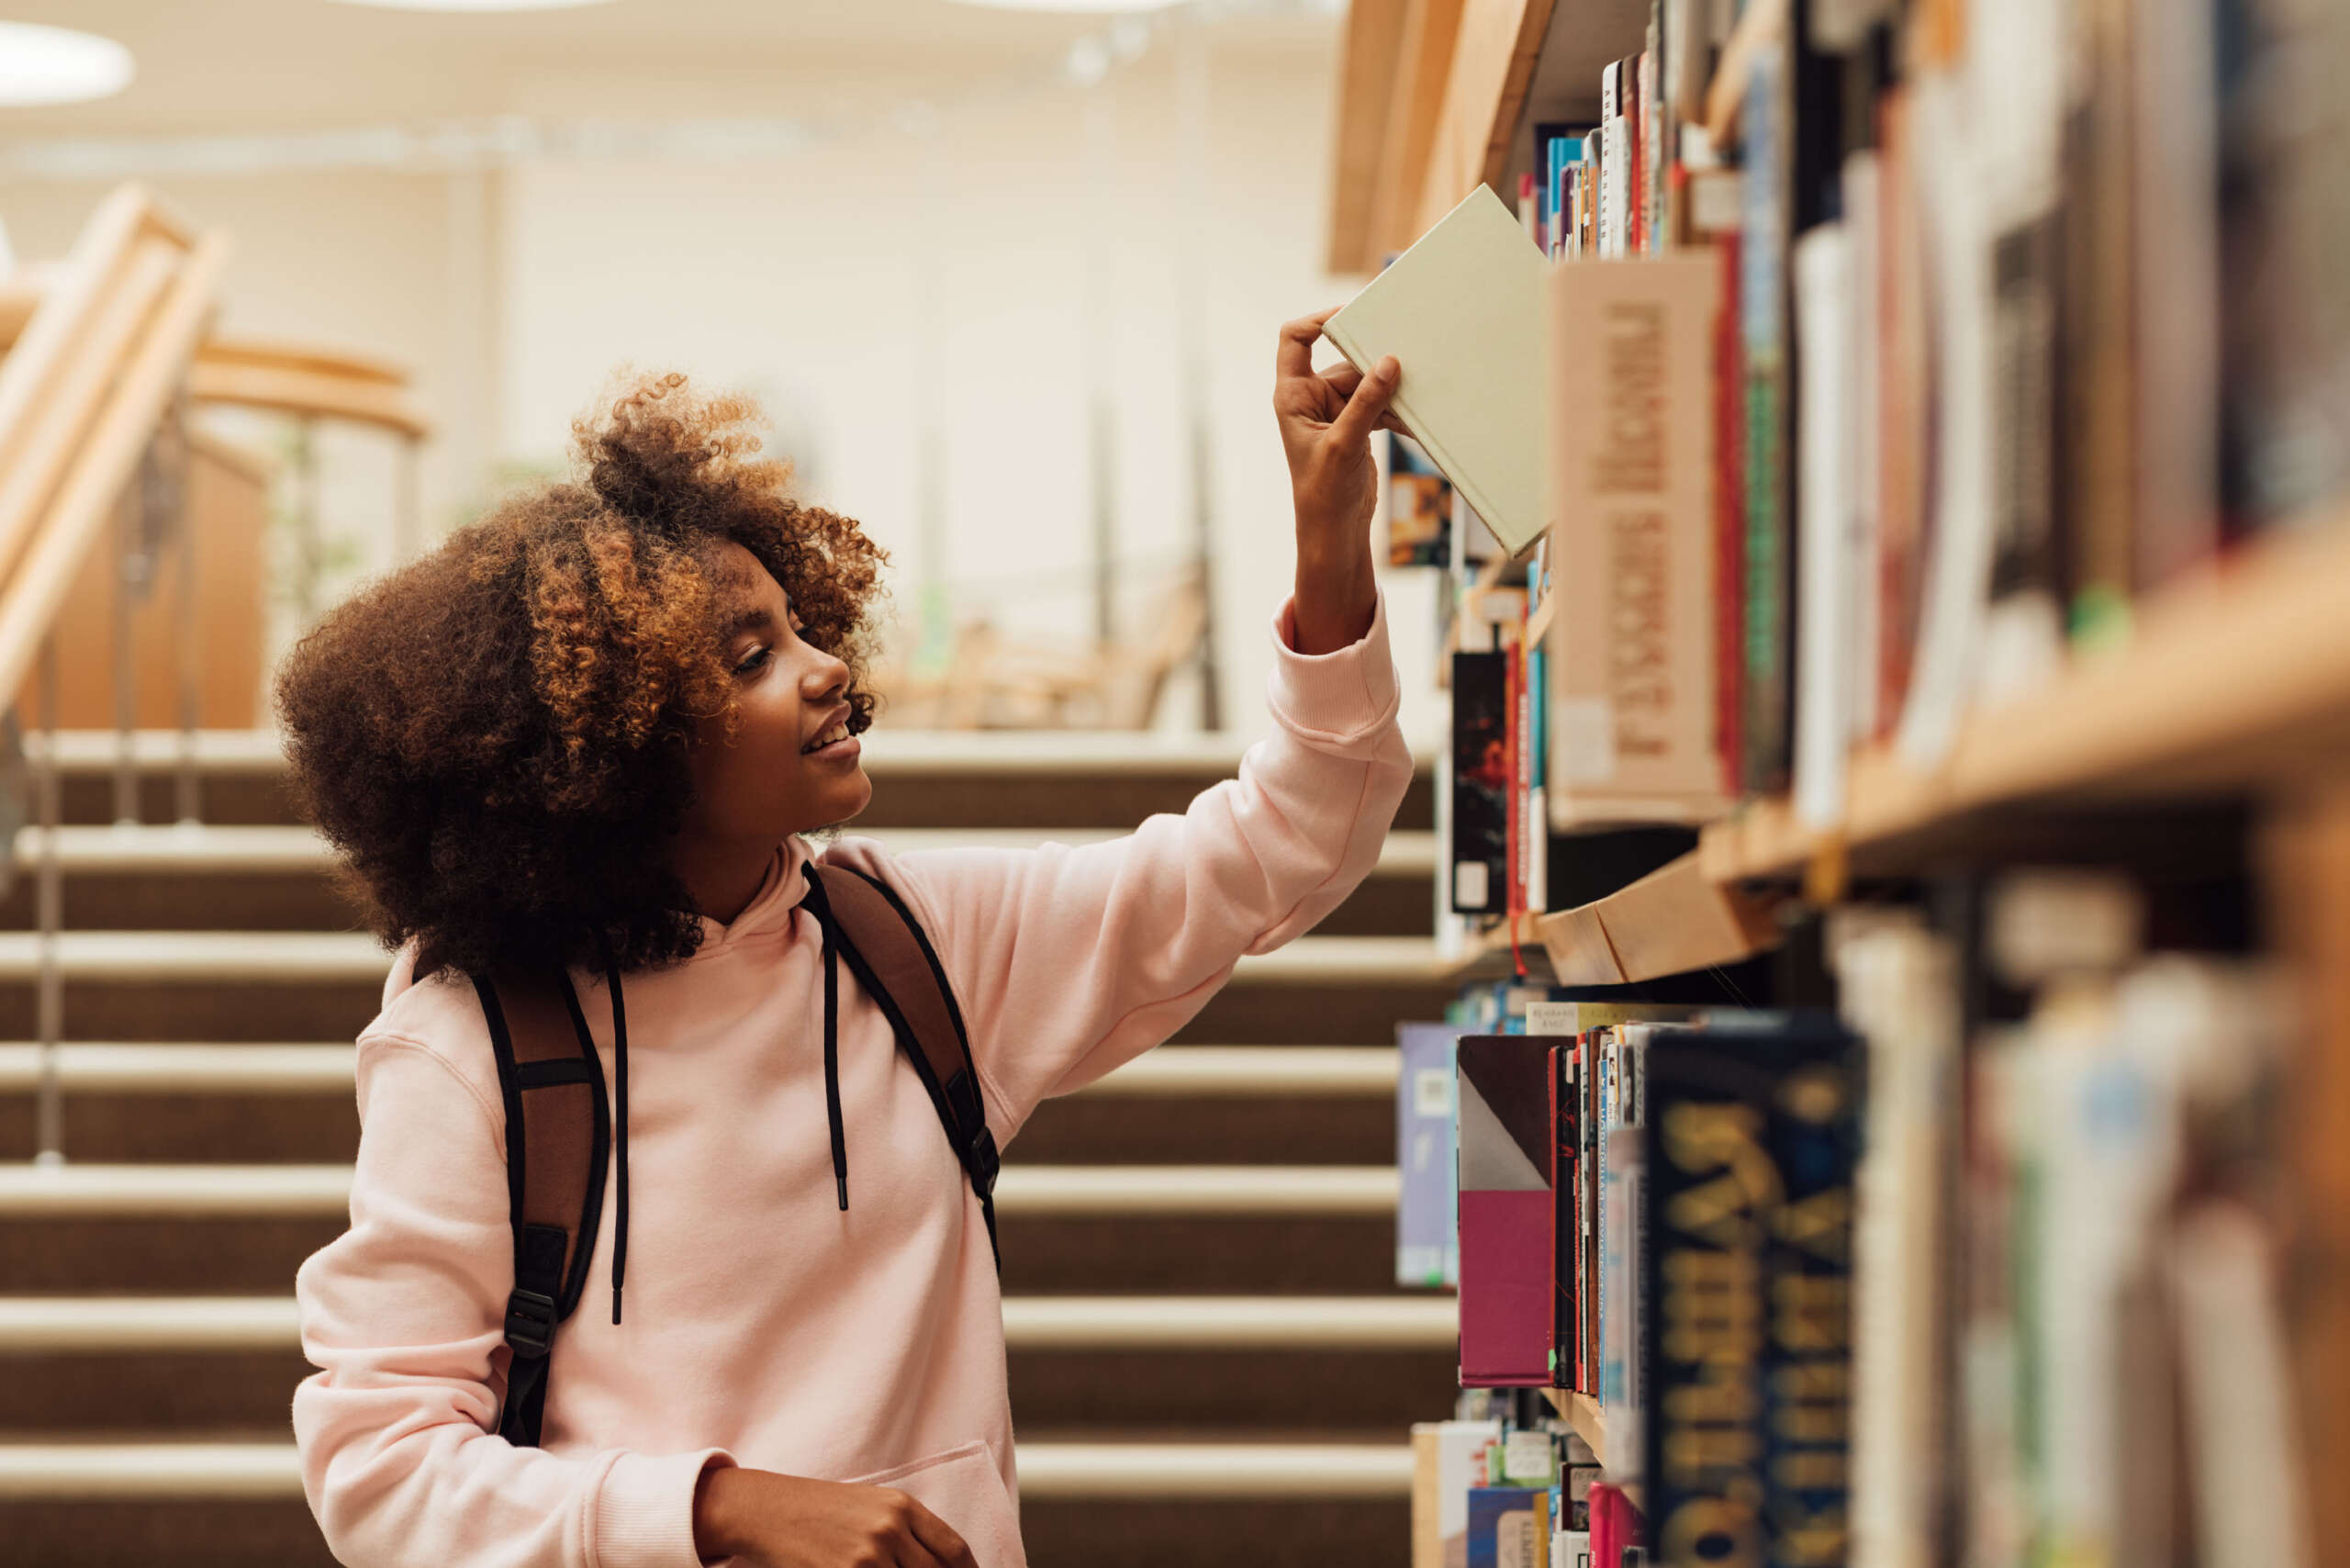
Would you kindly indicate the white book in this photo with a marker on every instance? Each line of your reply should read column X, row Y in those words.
column 1462, row 311
column 1828, row 600
column 1864, row 465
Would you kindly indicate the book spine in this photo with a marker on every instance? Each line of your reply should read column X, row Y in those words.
column 1632, row 721
column 1762, row 317
column 1563, row 1273
column 1480, row 846
column 1749, row 1192
column 1729, row 528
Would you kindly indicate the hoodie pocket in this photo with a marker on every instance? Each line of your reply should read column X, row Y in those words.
column 963, row 1486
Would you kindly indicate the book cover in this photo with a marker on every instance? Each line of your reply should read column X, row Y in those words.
column 1505, row 1222
column 1768, row 619
column 1419, row 507
column 1901, row 412
column 1632, row 718
column 1823, row 665
column 1729, row 528
column 1456, row 1464
column 1502, row 1532
column 1752, row 1134
column 1426, row 1254
column 1566, row 1144
column 1481, row 782
column 1461, row 311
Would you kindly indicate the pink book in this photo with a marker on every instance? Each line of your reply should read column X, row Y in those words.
column 1506, row 1219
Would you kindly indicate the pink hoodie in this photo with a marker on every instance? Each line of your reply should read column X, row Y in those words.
column 763, row 1325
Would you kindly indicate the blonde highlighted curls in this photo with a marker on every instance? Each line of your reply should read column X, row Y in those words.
column 495, row 736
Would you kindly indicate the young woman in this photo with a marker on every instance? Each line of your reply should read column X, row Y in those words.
column 591, row 729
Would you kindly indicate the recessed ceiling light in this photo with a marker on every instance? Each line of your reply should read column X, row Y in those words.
column 1096, row 8
column 58, row 65
column 473, row 4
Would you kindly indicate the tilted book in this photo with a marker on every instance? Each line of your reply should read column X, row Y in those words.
column 1462, row 311
column 1630, row 418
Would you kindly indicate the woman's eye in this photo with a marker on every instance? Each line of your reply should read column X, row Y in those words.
column 753, row 660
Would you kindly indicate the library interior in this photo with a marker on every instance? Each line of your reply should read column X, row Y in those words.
column 1842, row 1056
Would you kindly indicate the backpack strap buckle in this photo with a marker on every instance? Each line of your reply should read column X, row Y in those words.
column 531, row 1319
column 984, row 1162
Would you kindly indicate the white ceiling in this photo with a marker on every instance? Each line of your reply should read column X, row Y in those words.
column 227, row 65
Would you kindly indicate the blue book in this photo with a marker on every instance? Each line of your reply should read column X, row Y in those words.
column 1427, row 1251
column 1501, row 1527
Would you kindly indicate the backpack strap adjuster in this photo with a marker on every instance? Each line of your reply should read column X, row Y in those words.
column 531, row 1317
column 984, row 1163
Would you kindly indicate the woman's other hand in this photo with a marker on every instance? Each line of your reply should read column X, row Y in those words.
column 1325, row 421
column 789, row 1521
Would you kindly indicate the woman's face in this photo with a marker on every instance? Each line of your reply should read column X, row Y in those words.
column 792, row 764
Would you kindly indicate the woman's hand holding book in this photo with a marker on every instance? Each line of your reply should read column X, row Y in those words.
column 1325, row 423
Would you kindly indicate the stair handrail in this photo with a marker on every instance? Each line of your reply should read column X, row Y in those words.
column 97, row 376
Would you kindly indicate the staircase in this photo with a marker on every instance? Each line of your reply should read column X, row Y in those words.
column 1209, row 1362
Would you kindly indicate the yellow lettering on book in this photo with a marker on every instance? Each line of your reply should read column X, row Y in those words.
column 1725, row 1139
column 1712, row 1310
column 1812, row 1312
column 1810, row 1470
column 1811, row 1538
column 1813, row 1379
column 1712, row 1531
column 1820, row 1225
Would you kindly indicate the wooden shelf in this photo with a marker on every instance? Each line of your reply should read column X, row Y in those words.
column 1494, row 944
column 1583, row 1414
column 2234, row 684
column 1674, row 920
column 1436, row 97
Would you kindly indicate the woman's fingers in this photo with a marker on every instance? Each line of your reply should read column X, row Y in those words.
column 1295, row 356
column 939, row 1539
column 1368, row 405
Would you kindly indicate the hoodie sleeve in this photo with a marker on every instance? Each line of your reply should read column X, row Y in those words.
column 400, row 1458
column 1069, row 961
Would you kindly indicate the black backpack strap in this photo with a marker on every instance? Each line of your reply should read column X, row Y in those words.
column 558, row 1136
column 894, row 960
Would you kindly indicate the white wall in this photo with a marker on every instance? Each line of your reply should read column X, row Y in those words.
column 844, row 284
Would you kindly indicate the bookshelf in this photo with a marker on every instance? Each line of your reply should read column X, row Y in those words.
column 1437, row 95
column 1582, row 1413
column 2237, row 683
column 2124, row 857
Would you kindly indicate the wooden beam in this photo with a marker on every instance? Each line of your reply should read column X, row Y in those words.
column 1493, row 64
column 1375, row 51
column 1414, row 120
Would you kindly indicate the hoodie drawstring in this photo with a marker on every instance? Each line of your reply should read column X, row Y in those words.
column 620, row 1119
column 822, row 911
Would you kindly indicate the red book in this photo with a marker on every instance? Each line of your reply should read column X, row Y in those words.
column 1615, row 1525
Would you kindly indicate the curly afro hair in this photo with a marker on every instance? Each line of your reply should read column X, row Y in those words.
column 495, row 738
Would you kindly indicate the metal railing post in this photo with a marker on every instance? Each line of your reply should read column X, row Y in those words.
column 128, row 571
column 188, row 653
column 49, row 1021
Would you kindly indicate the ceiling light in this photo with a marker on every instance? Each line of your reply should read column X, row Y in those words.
column 1080, row 7
column 473, row 5
column 57, row 65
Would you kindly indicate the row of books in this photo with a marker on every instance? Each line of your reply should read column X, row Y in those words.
column 1505, row 1484
column 1973, row 338
column 1980, row 1266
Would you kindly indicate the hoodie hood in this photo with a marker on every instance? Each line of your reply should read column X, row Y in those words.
column 780, row 891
